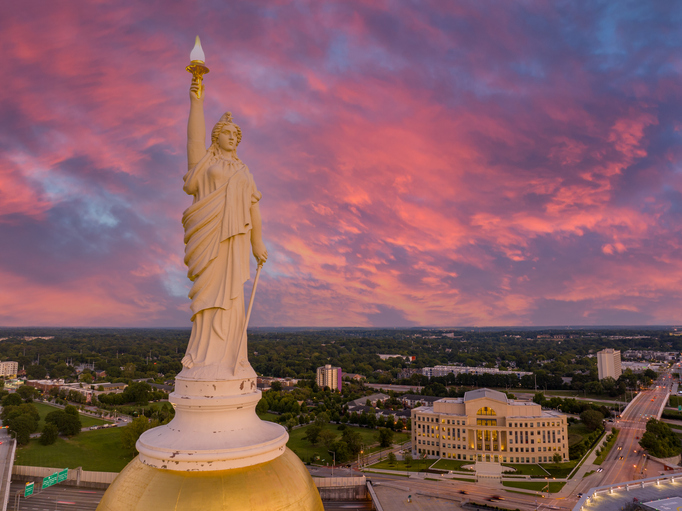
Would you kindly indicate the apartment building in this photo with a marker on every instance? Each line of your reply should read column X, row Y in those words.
column 328, row 376
column 608, row 364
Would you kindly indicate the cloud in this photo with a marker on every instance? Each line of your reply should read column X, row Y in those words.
column 436, row 165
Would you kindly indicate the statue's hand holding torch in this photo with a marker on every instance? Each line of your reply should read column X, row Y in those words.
column 198, row 69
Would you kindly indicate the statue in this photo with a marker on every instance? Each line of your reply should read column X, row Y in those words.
column 216, row 453
column 221, row 225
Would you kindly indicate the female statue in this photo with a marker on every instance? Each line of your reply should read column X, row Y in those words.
column 219, row 225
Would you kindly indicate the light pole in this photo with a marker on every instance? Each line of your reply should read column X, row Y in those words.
column 333, row 462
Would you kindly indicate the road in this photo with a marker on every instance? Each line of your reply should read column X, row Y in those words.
column 632, row 425
column 56, row 498
column 5, row 461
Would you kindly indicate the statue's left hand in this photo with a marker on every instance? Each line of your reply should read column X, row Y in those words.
column 260, row 252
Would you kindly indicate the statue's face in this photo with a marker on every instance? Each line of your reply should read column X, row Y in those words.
column 227, row 140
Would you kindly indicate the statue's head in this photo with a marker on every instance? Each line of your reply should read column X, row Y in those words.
column 226, row 134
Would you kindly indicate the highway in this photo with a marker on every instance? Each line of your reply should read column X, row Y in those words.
column 56, row 498
column 632, row 425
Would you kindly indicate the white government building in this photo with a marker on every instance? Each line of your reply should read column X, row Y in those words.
column 485, row 425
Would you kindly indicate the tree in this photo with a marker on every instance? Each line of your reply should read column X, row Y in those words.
column 353, row 440
column 290, row 424
column 36, row 372
column 27, row 393
column 391, row 458
column 276, row 386
column 385, row 437
column 131, row 433
column 49, row 435
column 592, row 419
column 312, row 434
column 659, row 440
column 12, row 400
column 408, row 459
column 23, row 426
column 557, row 458
column 322, row 418
column 327, row 437
column 67, row 423
column 71, row 410
column 262, row 406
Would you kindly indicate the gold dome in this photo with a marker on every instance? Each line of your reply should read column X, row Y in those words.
column 282, row 484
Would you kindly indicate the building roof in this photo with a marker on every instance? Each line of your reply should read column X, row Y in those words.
column 417, row 397
column 671, row 504
column 490, row 394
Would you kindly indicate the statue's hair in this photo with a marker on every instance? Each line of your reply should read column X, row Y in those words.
column 225, row 120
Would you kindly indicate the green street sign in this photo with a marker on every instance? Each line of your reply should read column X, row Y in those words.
column 28, row 491
column 50, row 480
column 679, row 408
column 61, row 476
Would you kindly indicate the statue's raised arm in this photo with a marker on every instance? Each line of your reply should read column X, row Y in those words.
column 196, row 126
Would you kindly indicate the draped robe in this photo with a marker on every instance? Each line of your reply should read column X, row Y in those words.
column 217, row 253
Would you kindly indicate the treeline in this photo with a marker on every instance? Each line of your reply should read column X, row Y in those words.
column 147, row 353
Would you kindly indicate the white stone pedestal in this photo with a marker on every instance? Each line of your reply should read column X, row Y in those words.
column 215, row 428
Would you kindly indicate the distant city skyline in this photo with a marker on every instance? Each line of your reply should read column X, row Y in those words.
column 431, row 164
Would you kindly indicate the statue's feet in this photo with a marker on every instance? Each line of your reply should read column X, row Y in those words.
column 187, row 361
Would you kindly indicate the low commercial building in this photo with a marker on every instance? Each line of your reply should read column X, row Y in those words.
column 412, row 400
column 485, row 425
column 445, row 370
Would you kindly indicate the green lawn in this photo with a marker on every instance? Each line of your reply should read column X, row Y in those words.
column 535, row 485
column 400, row 465
column 268, row 416
column 526, row 470
column 307, row 452
column 560, row 470
column 86, row 420
column 576, row 432
column 453, row 464
column 98, row 450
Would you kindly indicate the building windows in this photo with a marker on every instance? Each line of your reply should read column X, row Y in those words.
column 486, row 411
column 486, row 422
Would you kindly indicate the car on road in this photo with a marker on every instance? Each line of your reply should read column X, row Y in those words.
column 580, row 495
column 600, row 469
column 464, row 492
column 620, row 458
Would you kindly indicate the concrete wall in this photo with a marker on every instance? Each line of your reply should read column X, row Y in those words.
column 76, row 477
column 341, row 488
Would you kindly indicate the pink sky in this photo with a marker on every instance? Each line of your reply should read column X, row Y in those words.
column 447, row 163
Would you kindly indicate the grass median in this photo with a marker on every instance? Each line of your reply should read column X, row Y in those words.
column 607, row 448
column 552, row 487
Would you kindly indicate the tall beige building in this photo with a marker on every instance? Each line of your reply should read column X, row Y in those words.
column 485, row 425
column 9, row 369
column 608, row 364
column 328, row 376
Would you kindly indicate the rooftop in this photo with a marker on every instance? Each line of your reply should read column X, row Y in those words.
column 488, row 393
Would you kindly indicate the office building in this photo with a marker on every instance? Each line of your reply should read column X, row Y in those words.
column 328, row 376
column 487, row 426
column 608, row 364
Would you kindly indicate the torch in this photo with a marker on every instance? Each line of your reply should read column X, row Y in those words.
column 197, row 66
